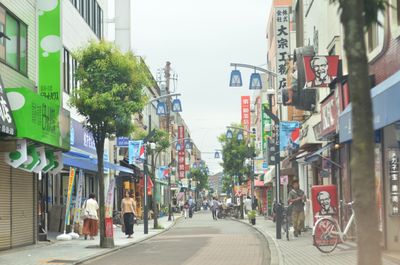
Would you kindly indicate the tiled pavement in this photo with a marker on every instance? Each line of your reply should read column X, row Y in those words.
column 300, row 250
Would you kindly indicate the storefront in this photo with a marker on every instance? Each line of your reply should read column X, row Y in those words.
column 386, row 109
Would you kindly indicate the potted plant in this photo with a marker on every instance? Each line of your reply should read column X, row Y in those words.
column 252, row 216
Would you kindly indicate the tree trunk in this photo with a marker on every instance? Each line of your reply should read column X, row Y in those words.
column 105, row 242
column 154, row 200
column 362, row 148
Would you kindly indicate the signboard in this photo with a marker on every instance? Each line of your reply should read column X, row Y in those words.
column 123, row 141
column 393, row 172
column 266, row 127
column 136, row 151
column 32, row 159
column 58, row 163
column 7, row 125
column 42, row 159
column 181, row 153
column 81, row 138
column 282, row 48
column 246, row 122
column 320, row 70
column 110, row 199
column 50, row 48
column 260, row 166
column 79, row 195
column 289, row 134
column 39, row 119
column 19, row 156
column 284, row 180
column 329, row 115
column 71, row 181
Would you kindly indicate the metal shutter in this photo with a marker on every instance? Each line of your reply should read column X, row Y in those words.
column 5, row 207
column 22, row 224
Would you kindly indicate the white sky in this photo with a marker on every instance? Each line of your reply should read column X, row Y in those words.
column 201, row 39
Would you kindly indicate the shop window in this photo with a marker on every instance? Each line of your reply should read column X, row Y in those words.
column 92, row 13
column 375, row 35
column 13, row 47
column 69, row 68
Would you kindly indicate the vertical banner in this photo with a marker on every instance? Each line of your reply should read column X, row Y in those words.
column 286, row 129
column 282, row 48
column 266, row 124
column 50, row 48
column 79, row 195
column 136, row 151
column 69, row 195
column 181, row 152
column 246, row 120
column 110, row 199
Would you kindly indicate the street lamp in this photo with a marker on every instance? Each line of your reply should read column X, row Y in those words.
column 161, row 109
column 229, row 134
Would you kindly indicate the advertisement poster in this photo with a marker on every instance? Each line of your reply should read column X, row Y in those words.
column 320, row 70
column 136, row 151
column 289, row 134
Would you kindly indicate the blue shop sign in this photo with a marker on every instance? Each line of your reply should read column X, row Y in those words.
column 81, row 138
column 123, row 141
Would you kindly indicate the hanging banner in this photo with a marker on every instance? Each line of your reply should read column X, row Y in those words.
column 7, row 125
column 162, row 172
column 69, row 197
column 32, row 159
column 50, row 161
column 286, row 129
column 320, row 70
column 246, row 120
column 282, row 48
column 79, row 195
column 58, row 163
column 42, row 159
column 181, row 153
column 19, row 156
column 136, row 151
column 110, row 199
column 266, row 127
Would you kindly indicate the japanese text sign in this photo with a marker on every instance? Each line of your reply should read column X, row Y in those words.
column 282, row 47
column 246, row 122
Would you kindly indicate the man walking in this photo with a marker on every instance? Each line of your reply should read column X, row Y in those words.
column 296, row 202
column 214, row 207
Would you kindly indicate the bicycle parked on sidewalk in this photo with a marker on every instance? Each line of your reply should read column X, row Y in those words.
column 327, row 233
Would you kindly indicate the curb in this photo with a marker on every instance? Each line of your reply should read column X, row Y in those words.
column 276, row 254
column 115, row 249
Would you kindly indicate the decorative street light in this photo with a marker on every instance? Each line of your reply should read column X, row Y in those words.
column 229, row 134
column 236, row 79
column 240, row 136
column 176, row 105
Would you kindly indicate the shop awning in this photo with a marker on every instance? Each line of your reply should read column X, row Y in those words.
column 317, row 154
column 385, row 104
column 87, row 162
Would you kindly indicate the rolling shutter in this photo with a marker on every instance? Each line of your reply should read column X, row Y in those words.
column 22, row 223
column 5, row 207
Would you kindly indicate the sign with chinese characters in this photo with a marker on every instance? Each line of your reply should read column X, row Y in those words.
column 282, row 48
column 38, row 119
column 246, row 120
column 123, row 141
column 181, row 153
column 7, row 125
column 81, row 138
column 393, row 164
column 329, row 115
column 320, row 70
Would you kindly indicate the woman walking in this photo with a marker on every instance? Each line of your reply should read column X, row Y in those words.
column 128, row 210
column 90, row 221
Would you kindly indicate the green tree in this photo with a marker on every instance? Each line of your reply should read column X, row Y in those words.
column 110, row 92
column 356, row 16
column 161, row 138
column 199, row 174
column 234, row 154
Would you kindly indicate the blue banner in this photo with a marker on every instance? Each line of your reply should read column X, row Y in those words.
column 136, row 151
column 286, row 129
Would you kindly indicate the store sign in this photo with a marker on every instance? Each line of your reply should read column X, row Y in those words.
column 50, row 48
column 58, row 163
column 19, row 156
column 266, row 124
column 51, row 161
column 329, row 115
column 81, row 138
column 394, row 184
column 123, row 141
column 320, row 70
column 260, row 166
column 282, row 47
column 181, row 153
column 39, row 119
column 42, row 159
column 7, row 125
column 246, row 120
column 33, row 159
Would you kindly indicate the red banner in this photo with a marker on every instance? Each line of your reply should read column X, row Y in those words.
column 181, row 153
column 320, row 70
column 246, row 122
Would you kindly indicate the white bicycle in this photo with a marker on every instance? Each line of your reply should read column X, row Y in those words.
column 327, row 233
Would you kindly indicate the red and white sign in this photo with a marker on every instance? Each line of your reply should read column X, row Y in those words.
column 329, row 115
column 246, row 120
column 320, row 70
column 181, row 153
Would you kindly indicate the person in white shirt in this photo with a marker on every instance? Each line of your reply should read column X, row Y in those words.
column 90, row 217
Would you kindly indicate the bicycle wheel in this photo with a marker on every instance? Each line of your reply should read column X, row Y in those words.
column 326, row 235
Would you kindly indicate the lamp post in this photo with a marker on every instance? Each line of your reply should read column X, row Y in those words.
column 255, row 83
column 161, row 109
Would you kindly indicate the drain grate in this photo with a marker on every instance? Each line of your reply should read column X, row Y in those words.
column 61, row 261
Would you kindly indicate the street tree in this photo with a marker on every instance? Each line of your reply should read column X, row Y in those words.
column 161, row 139
column 110, row 92
column 234, row 154
column 357, row 16
column 199, row 174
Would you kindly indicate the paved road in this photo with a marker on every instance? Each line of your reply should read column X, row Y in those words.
column 196, row 241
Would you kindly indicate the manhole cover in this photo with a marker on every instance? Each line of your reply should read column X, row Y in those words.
column 61, row 261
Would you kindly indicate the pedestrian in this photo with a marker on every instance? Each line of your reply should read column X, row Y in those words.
column 90, row 217
column 186, row 209
column 296, row 203
column 255, row 203
column 180, row 205
column 247, row 204
column 214, row 207
column 191, row 206
column 128, row 211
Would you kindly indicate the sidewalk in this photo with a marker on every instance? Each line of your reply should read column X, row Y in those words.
column 78, row 250
column 301, row 250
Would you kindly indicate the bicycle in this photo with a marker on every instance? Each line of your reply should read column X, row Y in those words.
column 327, row 232
column 286, row 221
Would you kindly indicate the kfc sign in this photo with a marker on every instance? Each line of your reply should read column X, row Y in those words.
column 320, row 70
